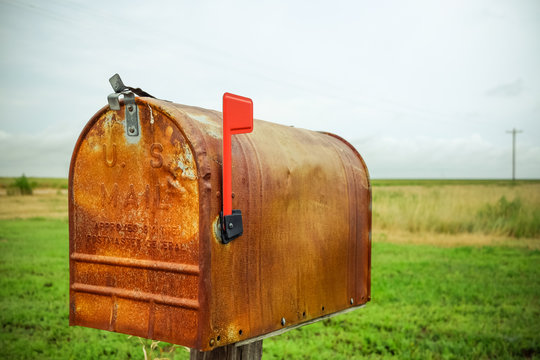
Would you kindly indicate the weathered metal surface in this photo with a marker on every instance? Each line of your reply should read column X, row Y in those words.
column 134, row 229
column 145, row 253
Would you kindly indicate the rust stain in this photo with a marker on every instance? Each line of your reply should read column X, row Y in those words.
column 145, row 251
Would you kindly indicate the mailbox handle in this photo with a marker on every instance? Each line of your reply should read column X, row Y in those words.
column 119, row 87
column 237, row 119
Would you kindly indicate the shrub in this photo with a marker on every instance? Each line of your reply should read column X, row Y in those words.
column 22, row 186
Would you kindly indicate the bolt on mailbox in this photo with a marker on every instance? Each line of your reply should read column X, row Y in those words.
column 183, row 233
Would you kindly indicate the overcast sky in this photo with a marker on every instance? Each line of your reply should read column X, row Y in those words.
column 423, row 89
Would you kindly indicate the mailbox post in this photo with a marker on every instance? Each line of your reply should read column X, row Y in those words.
column 251, row 351
column 152, row 249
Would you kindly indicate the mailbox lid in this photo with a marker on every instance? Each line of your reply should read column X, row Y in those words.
column 134, row 228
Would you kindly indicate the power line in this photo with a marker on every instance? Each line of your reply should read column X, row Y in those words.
column 514, row 132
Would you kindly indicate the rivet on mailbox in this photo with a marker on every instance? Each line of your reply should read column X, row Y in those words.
column 151, row 250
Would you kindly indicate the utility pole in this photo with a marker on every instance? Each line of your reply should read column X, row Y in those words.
column 514, row 132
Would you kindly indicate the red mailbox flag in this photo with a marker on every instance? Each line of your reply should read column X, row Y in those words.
column 237, row 119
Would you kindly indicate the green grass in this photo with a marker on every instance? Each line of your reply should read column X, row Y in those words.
column 428, row 302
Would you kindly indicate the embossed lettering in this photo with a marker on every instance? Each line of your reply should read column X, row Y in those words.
column 155, row 150
column 112, row 199
column 131, row 198
column 109, row 162
column 159, row 197
column 158, row 201
column 147, row 196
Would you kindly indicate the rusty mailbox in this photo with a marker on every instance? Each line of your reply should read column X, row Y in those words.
column 149, row 255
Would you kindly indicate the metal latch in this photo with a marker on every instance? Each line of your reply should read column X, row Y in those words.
column 231, row 226
column 132, row 111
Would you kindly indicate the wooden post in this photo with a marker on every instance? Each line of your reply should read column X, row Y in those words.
column 252, row 351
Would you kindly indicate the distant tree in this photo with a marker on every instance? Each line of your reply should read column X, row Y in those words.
column 23, row 185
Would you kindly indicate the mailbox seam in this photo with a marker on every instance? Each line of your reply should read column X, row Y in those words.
column 259, row 216
column 204, row 284
column 136, row 263
column 350, row 262
column 136, row 295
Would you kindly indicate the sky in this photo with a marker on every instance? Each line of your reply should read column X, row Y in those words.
column 422, row 89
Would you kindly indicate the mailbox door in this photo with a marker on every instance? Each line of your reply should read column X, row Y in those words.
column 134, row 228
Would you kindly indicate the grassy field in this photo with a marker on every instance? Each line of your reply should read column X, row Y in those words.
column 48, row 203
column 500, row 209
column 48, row 183
column 442, row 288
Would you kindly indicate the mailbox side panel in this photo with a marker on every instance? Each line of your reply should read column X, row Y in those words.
column 134, row 228
column 305, row 252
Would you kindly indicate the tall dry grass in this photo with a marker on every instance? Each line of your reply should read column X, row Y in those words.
column 45, row 203
column 455, row 209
